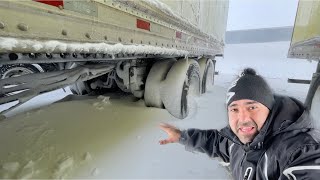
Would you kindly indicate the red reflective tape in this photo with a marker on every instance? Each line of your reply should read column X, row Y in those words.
column 52, row 3
column 178, row 34
column 143, row 24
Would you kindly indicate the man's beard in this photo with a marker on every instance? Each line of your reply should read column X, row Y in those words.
column 247, row 138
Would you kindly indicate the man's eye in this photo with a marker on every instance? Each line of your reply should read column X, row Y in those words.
column 233, row 110
column 252, row 107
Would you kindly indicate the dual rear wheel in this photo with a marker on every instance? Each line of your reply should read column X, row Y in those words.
column 173, row 84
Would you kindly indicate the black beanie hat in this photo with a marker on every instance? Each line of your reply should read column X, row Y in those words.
column 250, row 86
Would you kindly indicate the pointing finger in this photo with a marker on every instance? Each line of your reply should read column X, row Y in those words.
column 163, row 142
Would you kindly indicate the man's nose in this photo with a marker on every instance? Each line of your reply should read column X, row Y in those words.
column 243, row 115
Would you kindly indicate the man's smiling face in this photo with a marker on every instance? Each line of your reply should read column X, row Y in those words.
column 246, row 118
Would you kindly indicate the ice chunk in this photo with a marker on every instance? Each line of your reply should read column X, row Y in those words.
column 224, row 164
column 105, row 99
column 29, row 165
column 100, row 108
column 27, row 171
column 96, row 104
column 95, row 172
column 87, row 156
column 63, row 167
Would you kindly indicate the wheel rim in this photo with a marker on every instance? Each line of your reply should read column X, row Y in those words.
column 190, row 92
column 182, row 82
column 15, row 72
column 184, row 99
column 209, row 76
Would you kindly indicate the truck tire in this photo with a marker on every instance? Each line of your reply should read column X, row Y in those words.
column 157, row 74
column 207, row 69
column 181, row 84
column 15, row 70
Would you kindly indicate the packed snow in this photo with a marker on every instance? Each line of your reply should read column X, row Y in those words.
column 8, row 44
column 104, row 137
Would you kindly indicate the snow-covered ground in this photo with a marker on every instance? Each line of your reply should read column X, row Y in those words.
column 101, row 138
column 118, row 138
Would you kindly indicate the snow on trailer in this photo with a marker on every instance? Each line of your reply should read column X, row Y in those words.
column 135, row 46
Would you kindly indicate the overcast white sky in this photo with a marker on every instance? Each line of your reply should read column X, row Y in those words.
column 254, row 14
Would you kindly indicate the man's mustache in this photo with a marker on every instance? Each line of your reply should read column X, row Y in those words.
column 247, row 124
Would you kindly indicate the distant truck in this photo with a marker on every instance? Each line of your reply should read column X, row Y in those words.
column 305, row 44
column 162, row 51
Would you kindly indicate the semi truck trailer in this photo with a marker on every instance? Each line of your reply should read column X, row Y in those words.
column 305, row 44
column 161, row 51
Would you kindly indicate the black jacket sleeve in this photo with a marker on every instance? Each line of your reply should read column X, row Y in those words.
column 210, row 142
column 304, row 163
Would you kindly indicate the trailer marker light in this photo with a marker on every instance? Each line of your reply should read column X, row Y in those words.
column 178, row 34
column 143, row 25
column 56, row 3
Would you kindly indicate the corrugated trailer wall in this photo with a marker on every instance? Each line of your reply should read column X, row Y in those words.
column 307, row 24
column 187, row 9
column 208, row 15
column 306, row 32
column 213, row 17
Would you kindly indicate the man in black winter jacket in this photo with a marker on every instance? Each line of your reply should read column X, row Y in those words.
column 268, row 136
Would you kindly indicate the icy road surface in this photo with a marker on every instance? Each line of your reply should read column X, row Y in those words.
column 106, row 138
